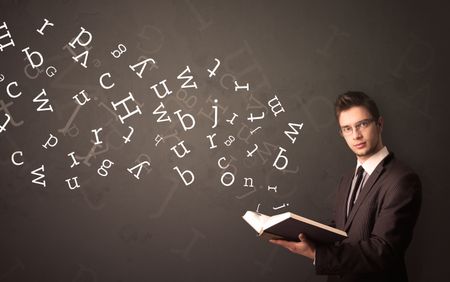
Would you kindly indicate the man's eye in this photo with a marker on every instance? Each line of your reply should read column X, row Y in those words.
column 364, row 124
column 346, row 129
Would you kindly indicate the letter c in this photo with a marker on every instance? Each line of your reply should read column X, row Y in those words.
column 102, row 84
column 9, row 92
column 13, row 159
column 219, row 161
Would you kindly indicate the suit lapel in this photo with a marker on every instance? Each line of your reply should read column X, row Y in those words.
column 365, row 190
column 343, row 192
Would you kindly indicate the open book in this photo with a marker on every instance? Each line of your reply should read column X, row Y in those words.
column 288, row 226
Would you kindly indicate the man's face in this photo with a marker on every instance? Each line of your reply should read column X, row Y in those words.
column 361, row 132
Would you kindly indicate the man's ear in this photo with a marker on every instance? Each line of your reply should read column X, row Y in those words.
column 380, row 122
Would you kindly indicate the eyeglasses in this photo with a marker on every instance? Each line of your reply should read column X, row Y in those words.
column 360, row 126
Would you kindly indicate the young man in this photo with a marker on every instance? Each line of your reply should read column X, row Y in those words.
column 377, row 204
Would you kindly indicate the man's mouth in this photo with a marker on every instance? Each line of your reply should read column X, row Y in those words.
column 360, row 145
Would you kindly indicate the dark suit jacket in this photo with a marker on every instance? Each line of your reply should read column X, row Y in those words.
column 379, row 227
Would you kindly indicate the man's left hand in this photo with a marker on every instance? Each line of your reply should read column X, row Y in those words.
column 304, row 247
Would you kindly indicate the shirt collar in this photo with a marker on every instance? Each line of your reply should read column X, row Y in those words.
column 371, row 163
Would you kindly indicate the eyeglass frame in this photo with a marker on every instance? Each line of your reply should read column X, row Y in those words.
column 357, row 126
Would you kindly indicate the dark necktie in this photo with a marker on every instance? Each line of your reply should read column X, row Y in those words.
column 356, row 188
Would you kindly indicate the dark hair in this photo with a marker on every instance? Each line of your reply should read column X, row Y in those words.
column 351, row 99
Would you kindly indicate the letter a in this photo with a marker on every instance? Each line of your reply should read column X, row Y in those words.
column 144, row 64
column 139, row 167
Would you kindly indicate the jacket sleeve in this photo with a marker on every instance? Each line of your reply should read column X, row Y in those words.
column 389, row 239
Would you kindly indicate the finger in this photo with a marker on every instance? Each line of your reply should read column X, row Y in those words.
column 277, row 242
column 282, row 243
column 303, row 238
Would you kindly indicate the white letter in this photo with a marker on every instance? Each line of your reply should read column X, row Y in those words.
column 77, row 39
column 43, row 101
column 294, row 131
column 213, row 72
column 186, row 151
column 33, row 65
column 74, row 161
column 222, row 167
column 280, row 156
column 210, row 137
column 182, row 176
column 74, row 179
column 2, row 127
column 13, row 159
column 273, row 106
column 8, row 35
column 251, row 117
column 182, row 120
column 9, row 92
column 50, row 71
column 144, row 64
column 250, row 180
column 85, row 98
column 237, row 86
column 140, row 165
column 46, row 23
column 137, row 110
column 163, row 83
column 223, row 177
column 188, row 79
column 121, row 49
column 157, row 111
column 48, row 143
column 102, row 84
column 102, row 170
column 96, row 131
column 85, row 55
column 36, row 180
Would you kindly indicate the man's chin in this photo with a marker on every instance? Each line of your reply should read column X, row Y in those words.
column 366, row 153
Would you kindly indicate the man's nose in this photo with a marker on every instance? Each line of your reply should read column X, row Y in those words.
column 356, row 133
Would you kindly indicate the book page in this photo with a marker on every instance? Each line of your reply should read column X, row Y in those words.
column 256, row 220
column 275, row 219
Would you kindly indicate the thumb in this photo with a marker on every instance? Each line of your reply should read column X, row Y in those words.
column 303, row 238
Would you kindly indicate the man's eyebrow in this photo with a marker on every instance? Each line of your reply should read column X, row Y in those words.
column 347, row 125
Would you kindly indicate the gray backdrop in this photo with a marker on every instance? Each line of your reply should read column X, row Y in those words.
column 155, row 228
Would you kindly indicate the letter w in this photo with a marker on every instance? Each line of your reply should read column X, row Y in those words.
column 162, row 114
column 188, row 79
column 294, row 131
column 36, row 180
column 44, row 102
